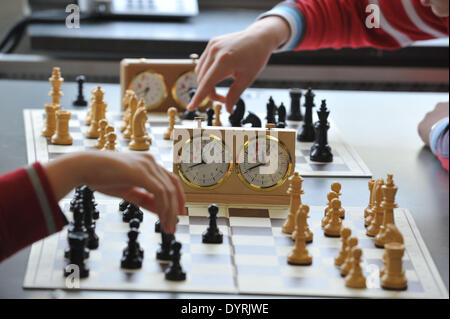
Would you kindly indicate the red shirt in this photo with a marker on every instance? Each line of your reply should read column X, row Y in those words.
column 384, row 24
column 29, row 210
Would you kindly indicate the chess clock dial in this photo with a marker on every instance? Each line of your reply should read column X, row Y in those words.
column 197, row 169
column 250, row 166
column 181, row 87
column 150, row 86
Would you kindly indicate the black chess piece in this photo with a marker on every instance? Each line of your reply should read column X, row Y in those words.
column 175, row 272
column 253, row 119
column 132, row 211
column 271, row 111
column 295, row 113
column 163, row 252
column 123, row 205
column 77, row 225
column 209, row 116
column 131, row 257
column 158, row 226
column 88, row 207
column 281, row 123
column 321, row 151
column 135, row 223
column 212, row 235
column 306, row 132
column 77, row 196
column 238, row 113
column 191, row 115
column 80, row 101
column 77, row 243
column 95, row 212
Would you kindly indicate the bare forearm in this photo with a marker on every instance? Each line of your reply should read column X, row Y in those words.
column 273, row 30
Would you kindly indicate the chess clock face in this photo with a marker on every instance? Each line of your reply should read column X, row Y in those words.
column 267, row 171
column 197, row 168
column 150, row 86
column 181, row 87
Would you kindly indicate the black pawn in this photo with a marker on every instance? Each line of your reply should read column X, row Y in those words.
column 132, row 211
column 295, row 113
column 135, row 223
column 281, row 123
column 175, row 272
column 80, row 101
column 271, row 111
column 306, row 132
column 77, row 243
column 321, row 151
column 209, row 116
column 238, row 113
column 158, row 226
column 212, row 235
column 88, row 207
column 163, row 252
column 77, row 225
column 123, row 205
column 76, row 197
column 131, row 258
column 191, row 115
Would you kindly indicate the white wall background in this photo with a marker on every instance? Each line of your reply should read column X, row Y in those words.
column 10, row 12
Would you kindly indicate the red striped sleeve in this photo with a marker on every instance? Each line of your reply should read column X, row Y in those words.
column 343, row 23
column 28, row 209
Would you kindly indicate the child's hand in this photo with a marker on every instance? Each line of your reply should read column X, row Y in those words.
column 431, row 118
column 134, row 177
column 238, row 55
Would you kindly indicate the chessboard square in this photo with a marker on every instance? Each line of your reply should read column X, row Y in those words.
column 209, row 259
column 252, row 260
column 200, row 229
column 252, row 240
column 329, row 251
column 59, row 149
column 303, row 271
column 203, row 220
column 276, row 213
column 366, row 243
column 277, row 223
column 305, row 152
column 182, row 229
column 250, row 222
column 255, row 250
column 300, row 160
column 215, row 249
column 373, row 253
column 251, row 231
column 211, row 281
column 218, row 270
column 89, row 142
column 328, row 242
column 415, row 286
column 75, row 131
column 319, row 283
column 245, row 270
column 283, row 241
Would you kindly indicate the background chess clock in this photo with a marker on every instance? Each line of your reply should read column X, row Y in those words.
column 235, row 181
column 162, row 83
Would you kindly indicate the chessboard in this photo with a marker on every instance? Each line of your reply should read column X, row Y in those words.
column 251, row 259
column 346, row 162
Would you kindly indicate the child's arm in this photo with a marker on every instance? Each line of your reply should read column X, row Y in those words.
column 310, row 25
column 434, row 131
column 29, row 196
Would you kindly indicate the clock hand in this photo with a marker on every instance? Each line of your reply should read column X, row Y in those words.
column 256, row 166
column 145, row 91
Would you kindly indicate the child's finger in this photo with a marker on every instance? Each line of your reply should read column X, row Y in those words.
column 214, row 75
column 235, row 91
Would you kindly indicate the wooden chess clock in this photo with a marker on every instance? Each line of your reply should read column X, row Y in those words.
column 162, row 83
column 238, row 180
